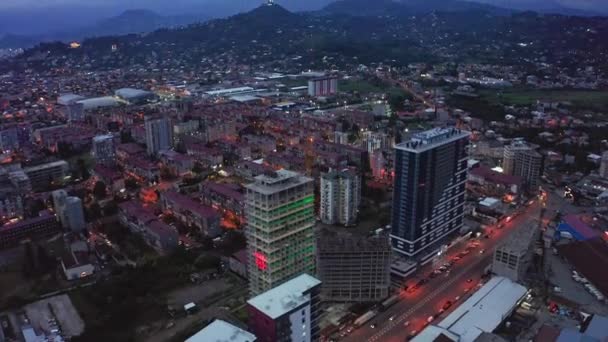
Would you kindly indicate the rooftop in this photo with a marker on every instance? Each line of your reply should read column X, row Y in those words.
column 58, row 163
column 427, row 140
column 275, row 181
column 483, row 312
column 519, row 241
column 590, row 258
column 221, row 331
column 131, row 93
column 282, row 299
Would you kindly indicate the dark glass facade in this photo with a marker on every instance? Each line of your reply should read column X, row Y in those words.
column 429, row 190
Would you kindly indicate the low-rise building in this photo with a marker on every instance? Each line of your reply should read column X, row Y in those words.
column 288, row 312
column 41, row 176
column 43, row 226
column 222, row 331
column 191, row 213
column 512, row 257
column 142, row 221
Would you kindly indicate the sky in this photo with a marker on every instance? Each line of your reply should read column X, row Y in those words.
column 32, row 17
column 14, row 4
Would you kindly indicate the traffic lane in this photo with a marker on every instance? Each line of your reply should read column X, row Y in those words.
column 417, row 320
column 437, row 298
column 366, row 332
column 431, row 304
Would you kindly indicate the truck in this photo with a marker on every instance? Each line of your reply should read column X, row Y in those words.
column 389, row 301
column 366, row 317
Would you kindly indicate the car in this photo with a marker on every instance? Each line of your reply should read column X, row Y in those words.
column 457, row 298
column 391, row 318
column 373, row 325
column 406, row 323
column 430, row 319
column 447, row 305
column 482, row 251
column 467, row 289
column 470, row 280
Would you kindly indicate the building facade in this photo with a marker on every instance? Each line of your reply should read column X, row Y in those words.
column 104, row 150
column 429, row 191
column 353, row 268
column 288, row 312
column 159, row 134
column 41, row 176
column 323, row 86
column 340, row 197
column 520, row 159
column 604, row 165
column 69, row 210
column 512, row 258
column 45, row 225
column 279, row 209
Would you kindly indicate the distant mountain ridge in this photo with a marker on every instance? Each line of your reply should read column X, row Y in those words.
column 130, row 21
column 408, row 7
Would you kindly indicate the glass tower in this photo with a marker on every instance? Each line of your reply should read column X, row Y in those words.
column 429, row 191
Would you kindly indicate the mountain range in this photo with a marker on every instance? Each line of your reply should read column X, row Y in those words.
column 139, row 21
column 131, row 21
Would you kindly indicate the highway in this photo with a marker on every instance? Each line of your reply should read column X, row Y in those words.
column 418, row 308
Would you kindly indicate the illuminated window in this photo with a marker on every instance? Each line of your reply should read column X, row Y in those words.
column 260, row 260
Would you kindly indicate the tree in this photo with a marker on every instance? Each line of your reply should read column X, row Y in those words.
column 99, row 190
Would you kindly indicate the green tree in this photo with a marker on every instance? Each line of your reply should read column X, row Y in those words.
column 99, row 190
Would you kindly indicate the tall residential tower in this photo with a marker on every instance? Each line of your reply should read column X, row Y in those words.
column 429, row 191
column 340, row 197
column 280, row 229
column 159, row 134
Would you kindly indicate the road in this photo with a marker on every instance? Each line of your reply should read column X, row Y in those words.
column 411, row 314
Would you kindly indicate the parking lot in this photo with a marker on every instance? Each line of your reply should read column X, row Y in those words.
column 59, row 308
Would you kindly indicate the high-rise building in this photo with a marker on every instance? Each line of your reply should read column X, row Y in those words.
column 323, row 86
column 279, row 207
column 604, row 165
column 340, row 197
column 520, row 159
column 104, row 150
column 159, row 134
column 288, row 312
column 353, row 268
column 69, row 210
column 429, row 191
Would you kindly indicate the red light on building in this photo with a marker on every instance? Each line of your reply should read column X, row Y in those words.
column 260, row 260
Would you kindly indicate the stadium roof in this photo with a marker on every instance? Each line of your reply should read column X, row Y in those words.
column 98, row 102
column 221, row 331
column 132, row 93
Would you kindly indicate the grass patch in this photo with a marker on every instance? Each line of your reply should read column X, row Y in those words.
column 362, row 86
column 582, row 99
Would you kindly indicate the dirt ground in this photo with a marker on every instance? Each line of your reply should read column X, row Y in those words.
column 197, row 293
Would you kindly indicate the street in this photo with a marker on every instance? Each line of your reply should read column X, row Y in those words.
column 445, row 291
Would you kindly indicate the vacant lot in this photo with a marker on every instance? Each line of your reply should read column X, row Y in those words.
column 584, row 99
column 68, row 318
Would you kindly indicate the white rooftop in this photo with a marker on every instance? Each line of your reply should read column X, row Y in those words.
column 229, row 91
column 67, row 99
column 489, row 201
column 98, row 102
column 221, row 331
column 282, row 299
column 130, row 93
column 485, row 310
column 277, row 181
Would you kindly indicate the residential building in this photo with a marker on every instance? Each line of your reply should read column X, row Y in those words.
column 191, row 213
column 353, row 268
column 288, row 312
column 159, row 134
column 520, row 159
column 429, row 191
column 158, row 235
column 279, row 209
column 69, row 210
column 323, row 86
column 45, row 225
column 9, row 138
column 513, row 256
column 604, row 165
column 340, row 197
column 222, row 331
column 104, row 150
column 41, row 176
